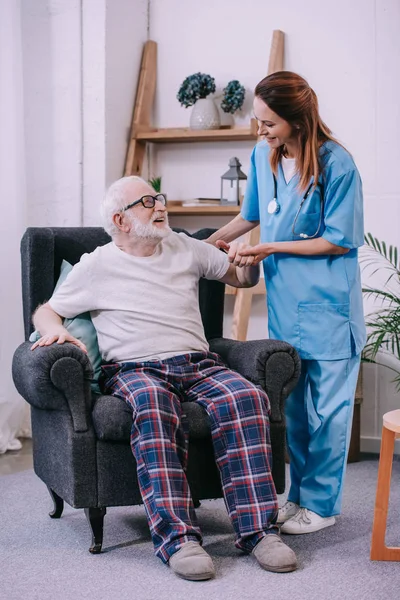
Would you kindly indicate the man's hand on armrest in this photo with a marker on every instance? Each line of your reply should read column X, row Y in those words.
column 49, row 323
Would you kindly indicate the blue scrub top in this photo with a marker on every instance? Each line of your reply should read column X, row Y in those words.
column 314, row 302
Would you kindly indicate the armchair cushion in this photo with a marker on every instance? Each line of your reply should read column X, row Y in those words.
column 112, row 419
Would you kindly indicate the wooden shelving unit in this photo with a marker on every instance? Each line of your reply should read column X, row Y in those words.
column 143, row 133
column 184, row 134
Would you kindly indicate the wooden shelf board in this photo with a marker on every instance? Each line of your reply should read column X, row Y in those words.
column 184, row 134
column 180, row 210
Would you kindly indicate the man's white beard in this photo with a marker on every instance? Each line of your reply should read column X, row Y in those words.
column 150, row 231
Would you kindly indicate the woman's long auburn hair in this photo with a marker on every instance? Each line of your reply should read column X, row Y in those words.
column 292, row 99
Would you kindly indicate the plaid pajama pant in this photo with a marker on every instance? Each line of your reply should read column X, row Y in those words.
column 240, row 432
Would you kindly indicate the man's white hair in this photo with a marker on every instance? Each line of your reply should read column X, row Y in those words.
column 114, row 200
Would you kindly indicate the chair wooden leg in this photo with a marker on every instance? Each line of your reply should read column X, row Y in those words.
column 95, row 517
column 379, row 551
column 58, row 504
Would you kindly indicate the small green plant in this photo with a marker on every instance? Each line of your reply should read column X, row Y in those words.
column 233, row 98
column 384, row 324
column 156, row 184
column 194, row 87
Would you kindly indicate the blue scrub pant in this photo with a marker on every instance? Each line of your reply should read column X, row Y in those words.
column 319, row 415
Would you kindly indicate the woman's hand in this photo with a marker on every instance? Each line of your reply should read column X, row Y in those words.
column 59, row 337
column 234, row 251
column 243, row 255
column 258, row 253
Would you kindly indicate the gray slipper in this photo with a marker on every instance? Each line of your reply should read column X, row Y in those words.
column 273, row 555
column 192, row 562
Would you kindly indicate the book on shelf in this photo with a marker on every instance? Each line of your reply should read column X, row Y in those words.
column 202, row 202
column 213, row 200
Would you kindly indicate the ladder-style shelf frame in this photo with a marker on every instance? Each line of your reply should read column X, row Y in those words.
column 244, row 296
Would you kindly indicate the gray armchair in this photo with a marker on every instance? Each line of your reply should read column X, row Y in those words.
column 81, row 445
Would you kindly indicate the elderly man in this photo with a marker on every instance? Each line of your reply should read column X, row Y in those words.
column 142, row 292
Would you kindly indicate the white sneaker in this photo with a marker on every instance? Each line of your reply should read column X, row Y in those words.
column 306, row 521
column 288, row 510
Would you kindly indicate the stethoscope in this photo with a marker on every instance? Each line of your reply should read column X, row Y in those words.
column 274, row 208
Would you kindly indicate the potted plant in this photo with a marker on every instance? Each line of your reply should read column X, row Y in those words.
column 233, row 97
column 155, row 183
column 195, row 91
column 384, row 323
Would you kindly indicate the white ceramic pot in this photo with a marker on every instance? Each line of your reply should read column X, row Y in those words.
column 205, row 115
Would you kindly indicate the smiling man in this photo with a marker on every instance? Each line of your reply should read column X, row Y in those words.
column 142, row 292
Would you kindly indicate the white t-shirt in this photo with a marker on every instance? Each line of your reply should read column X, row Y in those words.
column 143, row 307
column 288, row 167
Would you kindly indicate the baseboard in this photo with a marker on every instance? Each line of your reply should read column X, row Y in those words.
column 373, row 445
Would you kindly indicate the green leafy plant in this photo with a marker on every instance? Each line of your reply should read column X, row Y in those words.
column 155, row 183
column 233, row 98
column 194, row 87
column 384, row 323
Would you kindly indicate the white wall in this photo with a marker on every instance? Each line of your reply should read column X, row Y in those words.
column 348, row 51
column 81, row 62
column 93, row 97
column 51, row 38
column 113, row 35
column 126, row 22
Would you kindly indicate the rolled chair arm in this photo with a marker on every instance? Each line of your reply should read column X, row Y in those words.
column 272, row 364
column 55, row 377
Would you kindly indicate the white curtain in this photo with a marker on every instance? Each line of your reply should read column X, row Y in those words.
column 13, row 409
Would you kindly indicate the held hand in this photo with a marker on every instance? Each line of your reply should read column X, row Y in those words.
column 222, row 245
column 258, row 252
column 59, row 338
column 234, row 251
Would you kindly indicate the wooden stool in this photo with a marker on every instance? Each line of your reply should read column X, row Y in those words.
column 390, row 431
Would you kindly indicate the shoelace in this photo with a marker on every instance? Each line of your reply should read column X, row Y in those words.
column 302, row 517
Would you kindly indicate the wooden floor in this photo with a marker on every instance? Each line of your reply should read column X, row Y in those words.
column 18, row 460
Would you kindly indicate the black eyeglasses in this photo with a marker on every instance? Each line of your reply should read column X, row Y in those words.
column 148, row 201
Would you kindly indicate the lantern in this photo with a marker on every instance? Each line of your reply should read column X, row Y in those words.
column 230, row 183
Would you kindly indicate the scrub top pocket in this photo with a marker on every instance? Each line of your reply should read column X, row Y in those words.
column 308, row 223
column 325, row 332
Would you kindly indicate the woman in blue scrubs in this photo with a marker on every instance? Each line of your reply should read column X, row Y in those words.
column 305, row 192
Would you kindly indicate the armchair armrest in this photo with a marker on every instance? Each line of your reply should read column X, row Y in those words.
column 272, row 364
column 55, row 377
